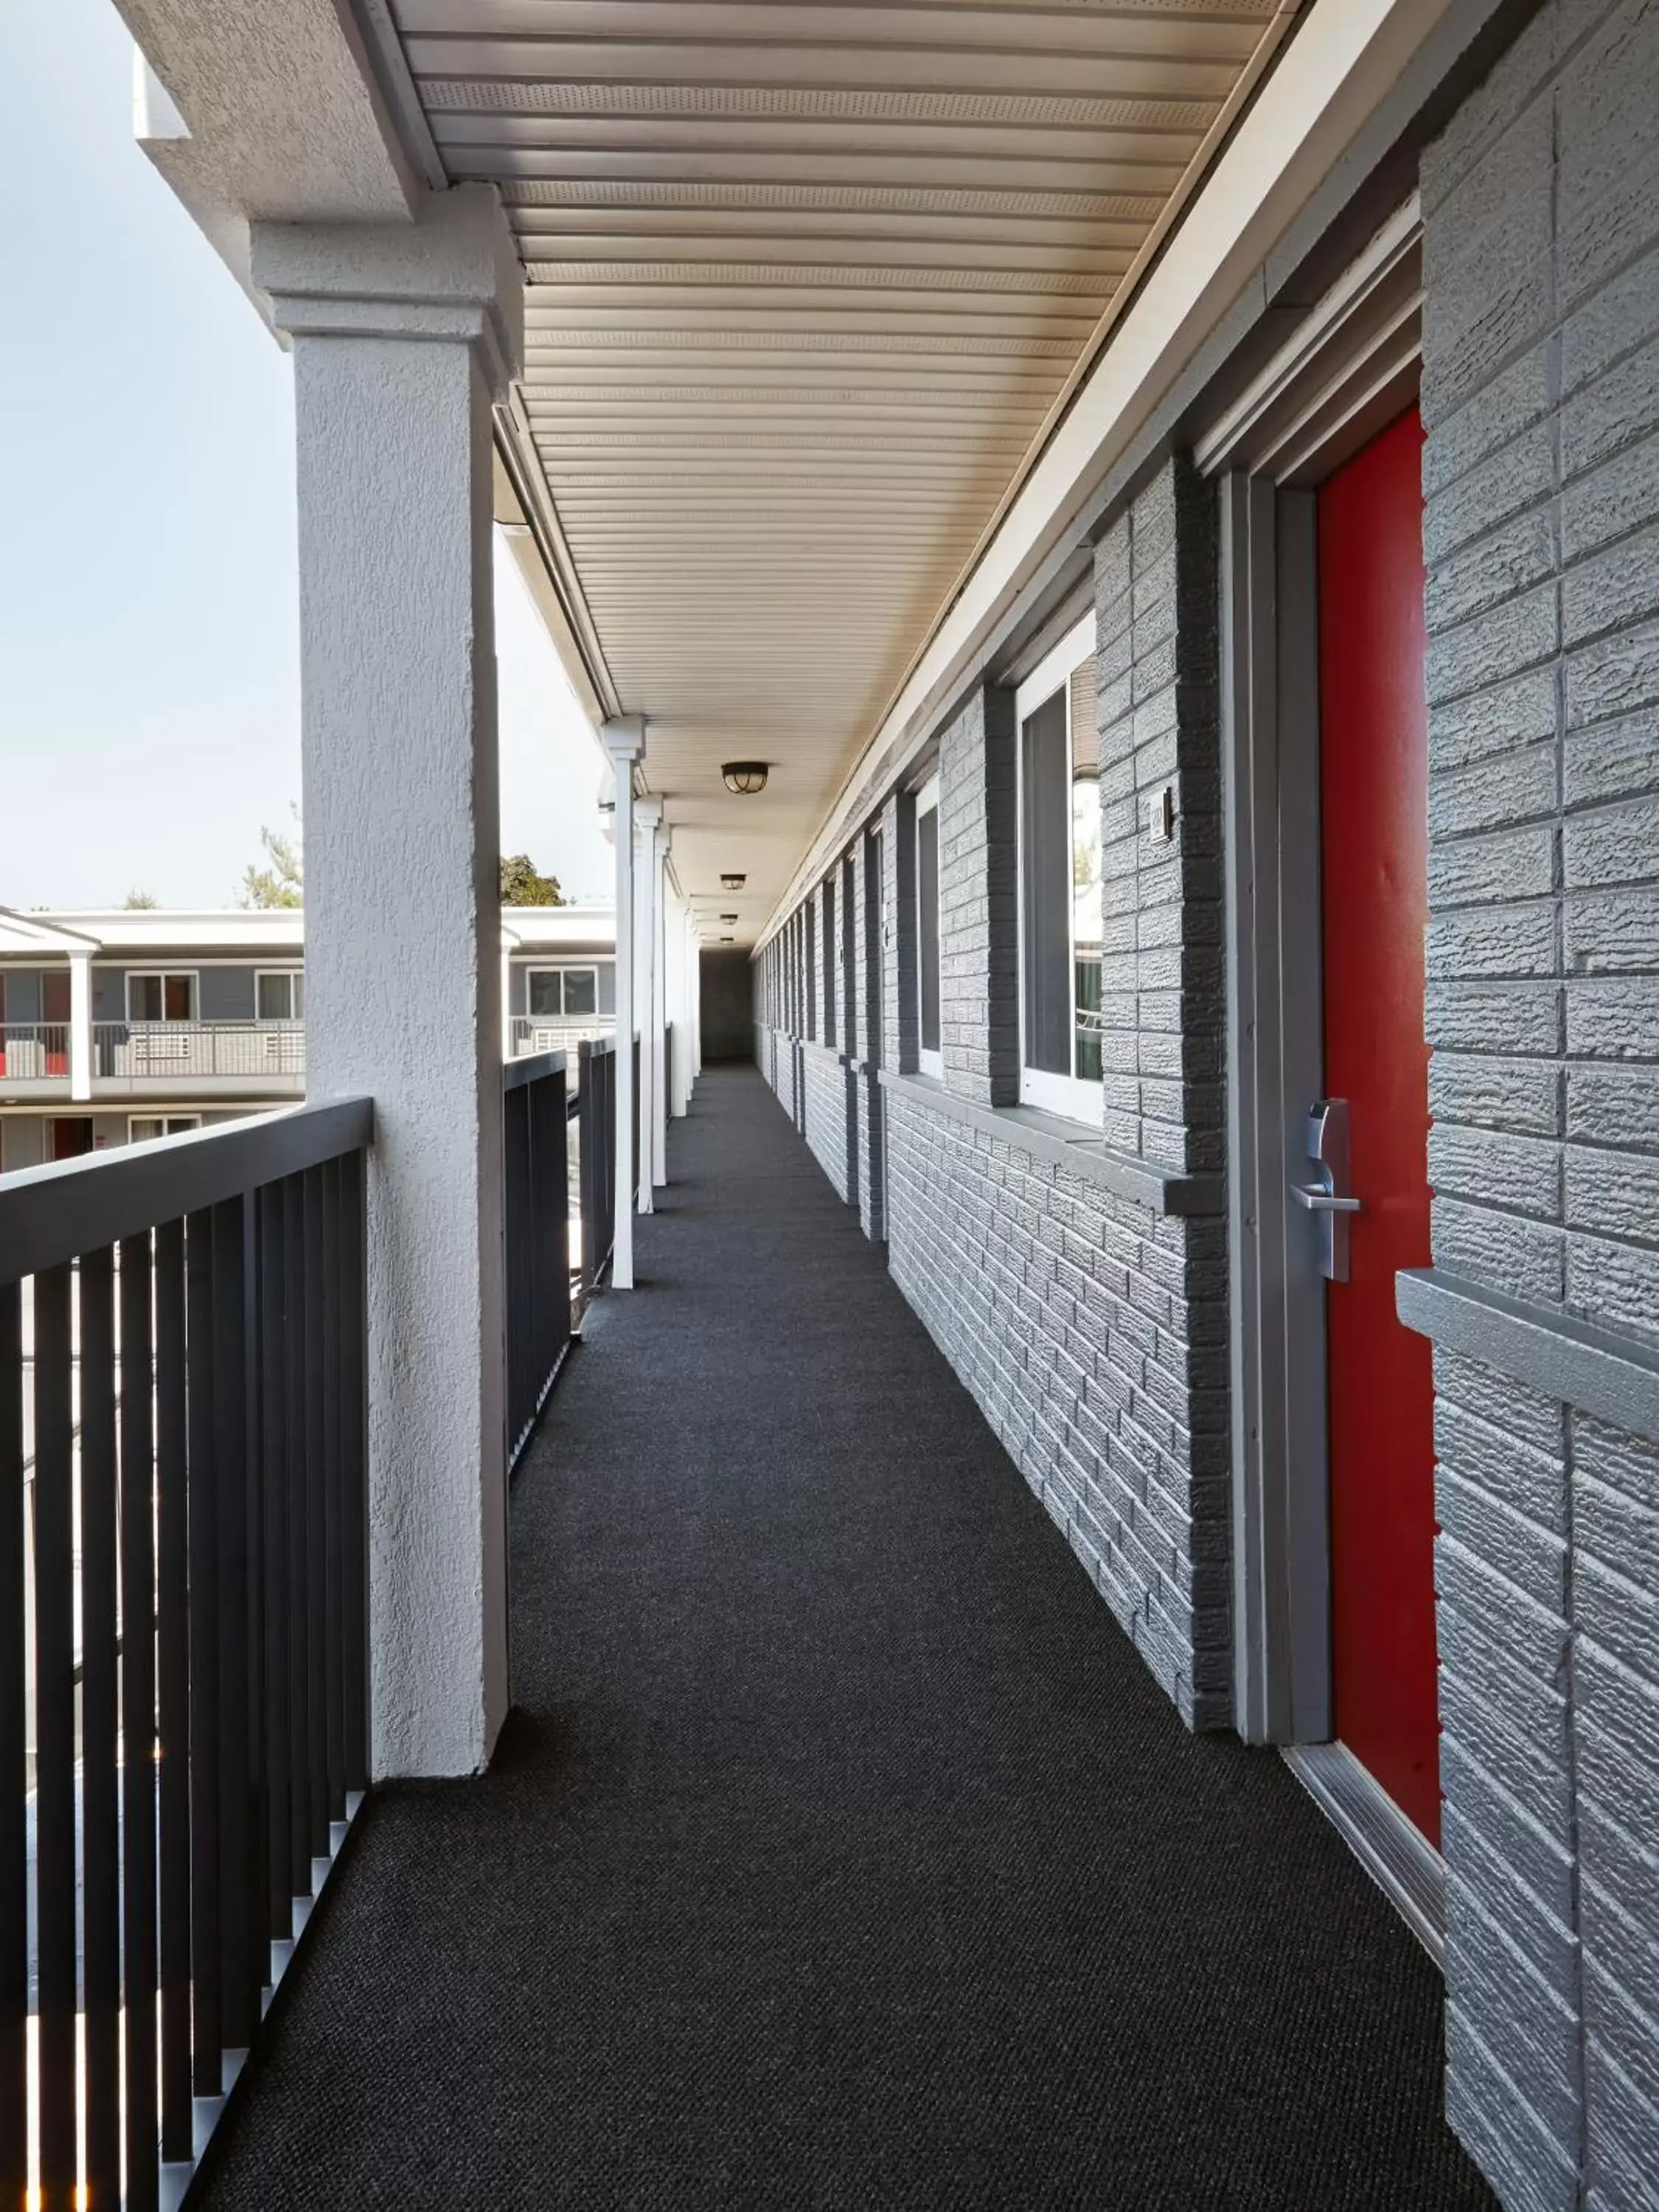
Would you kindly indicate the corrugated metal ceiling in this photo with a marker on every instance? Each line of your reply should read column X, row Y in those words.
column 805, row 282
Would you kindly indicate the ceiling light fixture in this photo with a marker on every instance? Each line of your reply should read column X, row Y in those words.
column 728, row 940
column 745, row 776
column 732, row 883
column 728, row 917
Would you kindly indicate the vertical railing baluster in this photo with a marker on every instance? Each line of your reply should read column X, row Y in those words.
column 14, row 1765
column 138, row 1726
column 173, row 1687
column 239, row 1992
column 316, row 1585
column 207, row 2009
column 54, row 1738
column 332, row 1532
column 294, row 1396
column 273, row 1455
column 354, row 1551
column 254, row 1764
column 99, row 1816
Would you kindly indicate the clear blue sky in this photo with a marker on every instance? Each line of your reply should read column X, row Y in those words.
column 148, row 652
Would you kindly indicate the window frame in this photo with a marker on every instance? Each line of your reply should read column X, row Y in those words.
column 1073, row 1097
column 295, row 977
column 172, row 1125
column 561, row 969
column 164, row 976
column 928, row 1063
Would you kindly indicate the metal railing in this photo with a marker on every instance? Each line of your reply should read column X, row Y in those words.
column 143, row 1053
column 183, row 1325
column 536, row 1227
column 558, row 1166
column 597, row 1164
column 33, row 1052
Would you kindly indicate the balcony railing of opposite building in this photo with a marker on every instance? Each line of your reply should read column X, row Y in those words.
column 33, row 1052
column 534, row 1033
column 182, row 1341
column 143, row 1054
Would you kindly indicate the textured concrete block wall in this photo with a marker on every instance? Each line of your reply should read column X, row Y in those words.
column 826, row 1120
column 1091, row 1332
column 979, row 886
column 1540, row 400
column 1158, row 706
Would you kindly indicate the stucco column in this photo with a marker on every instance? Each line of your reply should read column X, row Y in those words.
column 647, row 815
column 79, row 1035
column 624, row 740
column 659, row 953
column 402, row 334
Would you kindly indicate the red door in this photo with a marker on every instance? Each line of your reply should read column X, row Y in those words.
column 1374, row 796
column 71, row 1136
column 55, row 1013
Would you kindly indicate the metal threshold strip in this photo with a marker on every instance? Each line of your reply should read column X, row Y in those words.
column 1405, row 1866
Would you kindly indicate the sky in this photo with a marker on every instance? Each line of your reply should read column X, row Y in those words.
column 149, row 597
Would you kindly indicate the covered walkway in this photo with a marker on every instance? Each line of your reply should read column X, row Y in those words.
column 840, row 1851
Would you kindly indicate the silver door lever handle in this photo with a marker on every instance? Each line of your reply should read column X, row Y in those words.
column 1323, row 1201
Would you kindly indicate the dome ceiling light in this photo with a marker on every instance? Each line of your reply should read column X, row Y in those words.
column 728, row 917
column 745, row 776
column 732, row 883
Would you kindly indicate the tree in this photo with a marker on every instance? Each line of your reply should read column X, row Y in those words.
column 136, row 902
column 524, row 884
column 281, row 883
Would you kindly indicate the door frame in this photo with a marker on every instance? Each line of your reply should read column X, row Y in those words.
column 1351, row 367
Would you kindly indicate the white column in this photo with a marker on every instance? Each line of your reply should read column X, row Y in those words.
column 660, row 1006
column 624, row 741
column 402, row 334
column 647, row 814
column 80, row 1036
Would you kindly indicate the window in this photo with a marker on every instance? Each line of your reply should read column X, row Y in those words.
column 1059, row 889
column 141, row 1127
column 929, row 1057
column 563, row 993
column 162, row 998
column 279, row 994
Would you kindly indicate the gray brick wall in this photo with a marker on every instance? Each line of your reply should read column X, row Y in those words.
column 979, row 938
column 1091, row 1332
column 1157, row 704
column 827, row 1130
column 1541, row 398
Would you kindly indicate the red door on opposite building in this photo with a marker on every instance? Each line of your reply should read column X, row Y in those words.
column 1374, row 800
column 54, row 1014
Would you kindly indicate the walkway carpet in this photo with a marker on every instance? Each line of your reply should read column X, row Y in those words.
column 840, row 1852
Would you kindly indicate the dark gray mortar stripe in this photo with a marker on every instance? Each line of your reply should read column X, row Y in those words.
column 1165, row 1190
column 1597, row 1370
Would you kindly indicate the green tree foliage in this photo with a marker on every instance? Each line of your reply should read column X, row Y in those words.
column 137, row 901
column 281, row 882
column 524, row 884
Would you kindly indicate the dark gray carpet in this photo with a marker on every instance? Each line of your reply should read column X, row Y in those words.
column 840, row 1853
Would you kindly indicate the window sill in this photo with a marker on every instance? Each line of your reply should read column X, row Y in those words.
column 1070, row 1146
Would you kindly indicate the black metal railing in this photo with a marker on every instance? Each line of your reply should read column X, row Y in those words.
column 597, row 1160
column 182, row 1353
column 536, row 1170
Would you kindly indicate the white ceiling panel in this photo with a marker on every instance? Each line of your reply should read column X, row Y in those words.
column 805, row 283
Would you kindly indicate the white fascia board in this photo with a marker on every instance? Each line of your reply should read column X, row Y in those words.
column 558, row 928
column 1346, row 57
column 257, row 931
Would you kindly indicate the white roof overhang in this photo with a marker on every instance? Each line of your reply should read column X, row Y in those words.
column 836, row 313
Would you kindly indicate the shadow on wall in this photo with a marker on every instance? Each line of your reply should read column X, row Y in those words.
column 728, row 1010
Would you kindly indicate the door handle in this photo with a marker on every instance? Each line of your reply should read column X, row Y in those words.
column 1330, row 1201
column 1324, row 1201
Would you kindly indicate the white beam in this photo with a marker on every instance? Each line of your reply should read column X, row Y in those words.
column 624, row 739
